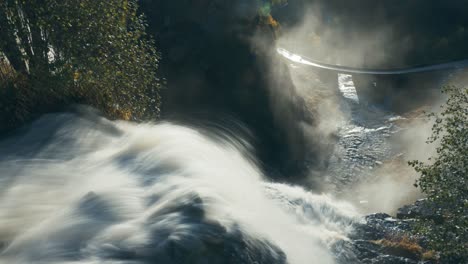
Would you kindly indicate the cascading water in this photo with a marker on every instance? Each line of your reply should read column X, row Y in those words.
column 76, row 188
column 368, row 163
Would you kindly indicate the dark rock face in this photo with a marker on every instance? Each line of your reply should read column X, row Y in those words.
column 384, row 239
column 217, row 61
column 366, row 246
column 380, row 225
column 421, row 209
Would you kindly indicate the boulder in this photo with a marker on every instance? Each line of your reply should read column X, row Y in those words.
column 420, row 209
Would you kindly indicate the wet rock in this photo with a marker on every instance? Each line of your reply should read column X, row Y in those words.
column 380, row 239
column 362, row 251
column 389, row 259
column 420, row 209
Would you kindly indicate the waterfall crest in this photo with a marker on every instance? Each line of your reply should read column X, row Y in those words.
column 100, row 191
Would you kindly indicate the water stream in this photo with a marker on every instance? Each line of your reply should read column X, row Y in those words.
column 76, row 188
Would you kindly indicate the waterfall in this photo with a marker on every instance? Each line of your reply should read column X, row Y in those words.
column 77, row 188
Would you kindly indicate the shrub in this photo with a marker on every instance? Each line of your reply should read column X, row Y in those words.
column 90, row 51
column 402, row 246
column 445, row 179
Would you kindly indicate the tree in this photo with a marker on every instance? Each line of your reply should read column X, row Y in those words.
column 445, row 179
column 89, row 51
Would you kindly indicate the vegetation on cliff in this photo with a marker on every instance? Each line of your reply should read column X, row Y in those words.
column 55, row 53
column 445, row 180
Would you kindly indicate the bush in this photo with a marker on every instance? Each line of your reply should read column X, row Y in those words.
column 90, row 51
column 444, row 179
column 401, row 246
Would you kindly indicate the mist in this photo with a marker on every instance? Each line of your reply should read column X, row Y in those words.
column 172, row 190
column 272, row 159
column 318, row 36
column 330, row 108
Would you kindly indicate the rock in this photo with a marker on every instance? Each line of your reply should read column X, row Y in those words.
column 381, row 239
column 219, row 61
column 389, row 259
column 420, row 209
column 362, row 251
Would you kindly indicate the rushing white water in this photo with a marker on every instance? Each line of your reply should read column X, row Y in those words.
column 76, row 188
column 347, row 88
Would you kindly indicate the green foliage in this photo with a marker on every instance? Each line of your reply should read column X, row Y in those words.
column 89, row 51
column 445, row 179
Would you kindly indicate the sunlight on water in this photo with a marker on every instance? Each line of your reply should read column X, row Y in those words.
column 347, row 88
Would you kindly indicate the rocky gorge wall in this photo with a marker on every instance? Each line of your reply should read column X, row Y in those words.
column 219, row 60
